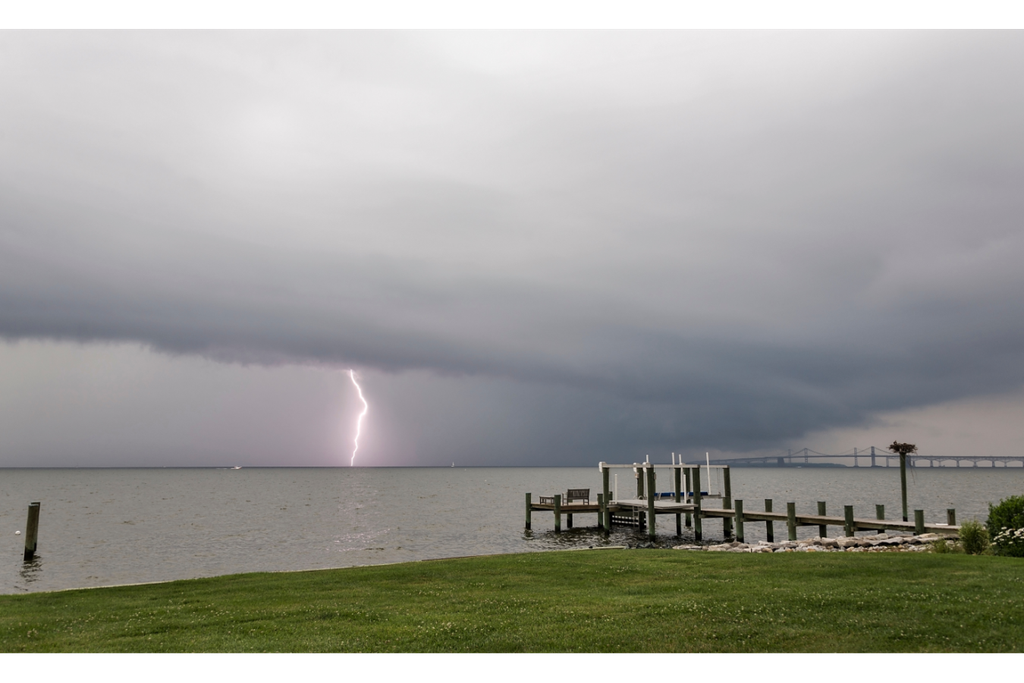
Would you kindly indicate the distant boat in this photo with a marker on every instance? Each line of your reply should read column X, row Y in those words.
column 453, row 464
column 236, row 468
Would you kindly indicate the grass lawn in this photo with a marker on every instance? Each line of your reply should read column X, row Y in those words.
column 586, row 601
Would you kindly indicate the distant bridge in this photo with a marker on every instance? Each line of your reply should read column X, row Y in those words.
column 872, row 457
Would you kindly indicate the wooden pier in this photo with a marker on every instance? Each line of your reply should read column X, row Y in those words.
column 686, row 504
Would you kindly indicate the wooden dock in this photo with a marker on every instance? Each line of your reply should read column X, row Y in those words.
column 686, row 502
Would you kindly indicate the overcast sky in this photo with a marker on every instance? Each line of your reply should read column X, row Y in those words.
column 533, row 248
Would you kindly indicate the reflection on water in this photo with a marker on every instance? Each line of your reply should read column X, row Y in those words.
column 104, row 527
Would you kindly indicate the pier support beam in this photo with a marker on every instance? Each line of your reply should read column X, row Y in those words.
column 677, row 476
column 769, row 526
column 738, row 509
column 822, row 528
column 848, row 519
column 529, row 510
column 651, row 495
column 726, row 503
column 951, row 516
column 558, row 512
column 791, row 520
column 918, row 522
column 698, row 528
column 606, row 517
column 689, row 491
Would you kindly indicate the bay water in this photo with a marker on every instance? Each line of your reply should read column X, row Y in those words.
column 101, row 527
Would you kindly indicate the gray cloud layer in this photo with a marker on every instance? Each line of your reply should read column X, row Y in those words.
column 672, row 239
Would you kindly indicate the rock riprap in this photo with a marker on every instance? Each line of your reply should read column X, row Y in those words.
column 875, row 543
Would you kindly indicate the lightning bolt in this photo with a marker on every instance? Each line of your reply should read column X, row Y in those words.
column 359, row 420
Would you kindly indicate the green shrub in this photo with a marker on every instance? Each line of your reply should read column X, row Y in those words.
column 1006, row 526
column 940, row 546
column 973, row 537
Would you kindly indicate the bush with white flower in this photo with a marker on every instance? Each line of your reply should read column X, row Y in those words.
column 1006, row 526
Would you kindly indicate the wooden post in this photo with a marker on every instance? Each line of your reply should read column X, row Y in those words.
column 529, row 509
column 726, row 503
column 822, row 528
column 698, row 527
column 848, row 519
column 568, row 520
column 903, row 483
column 651, row 494
column 677, row 477
column 558, row 512
column 918, row 522
column 31, row 531
column 687, row 497
column 738, row 509
column 951, row 516
column 639, row 481
column 791, row 520
column 601, row 505
column 607, row 517
column 879, row 512
column 769, row 526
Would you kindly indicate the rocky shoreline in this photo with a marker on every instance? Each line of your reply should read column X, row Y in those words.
column 883, row 542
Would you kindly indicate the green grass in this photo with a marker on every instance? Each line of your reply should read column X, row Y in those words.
column 600, row 601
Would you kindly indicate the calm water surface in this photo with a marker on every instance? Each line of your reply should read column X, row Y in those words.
column 113, row 526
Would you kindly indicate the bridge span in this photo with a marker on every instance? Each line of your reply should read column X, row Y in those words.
column 871, row 457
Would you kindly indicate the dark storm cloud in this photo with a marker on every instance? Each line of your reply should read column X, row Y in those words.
column 678, row 239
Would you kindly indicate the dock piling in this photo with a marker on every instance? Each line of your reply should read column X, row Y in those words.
column 677, row 481
column 951, row 516
column 529, row 510
column 651, row 495
column 31, row 531
column 918, row 522
column 738, row 509
column 791, row 520
column 769, row 526
column 698, row 526
column 848, row 517
column 558, row 512
column 822, row 528
column 687, row 497
column 726, row 501
column 606, row 518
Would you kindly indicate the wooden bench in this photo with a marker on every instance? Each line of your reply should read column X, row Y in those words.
column 573, row 495
column 570, row 496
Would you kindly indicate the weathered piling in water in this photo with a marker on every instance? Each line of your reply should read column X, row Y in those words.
column 31, row 531
column 918, row 522
column 677, row 479
column 607, row 516
column 529, row 510
column 951, row 516
column 879, row 512
column 689, row 490
column 698, row 527
column 822, row 528
column 848, row 518
column 639, row 481
column 769, row 526
column 791, row 520
column 558, row 512
column 602, row 507
column 738, row 509
column 651, row 495
column 726, row 501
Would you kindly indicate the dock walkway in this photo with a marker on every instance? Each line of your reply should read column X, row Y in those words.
column 687, row 502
